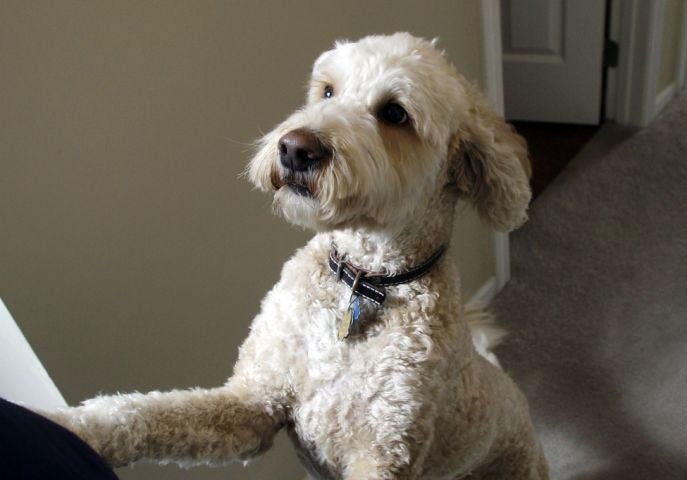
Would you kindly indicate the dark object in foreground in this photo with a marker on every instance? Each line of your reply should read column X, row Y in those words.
column 33, row 447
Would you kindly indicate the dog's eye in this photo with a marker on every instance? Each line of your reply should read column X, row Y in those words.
column 393, row 113
column 328, row 92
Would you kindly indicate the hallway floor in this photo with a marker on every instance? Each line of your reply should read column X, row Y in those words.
column 552, row 146
column 597, row 307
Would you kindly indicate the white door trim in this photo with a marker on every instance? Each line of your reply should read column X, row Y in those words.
column 682, row 58
column 493, row 56
column 653, row 63
column 493, row 79
column 636, row 99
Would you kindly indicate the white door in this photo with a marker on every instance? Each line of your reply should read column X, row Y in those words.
column 552, row 59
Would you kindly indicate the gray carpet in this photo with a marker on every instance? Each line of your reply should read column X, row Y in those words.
column 597, row 310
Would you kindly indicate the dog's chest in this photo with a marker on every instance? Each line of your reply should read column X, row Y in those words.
column 331, row 417
column 339, row 385
column 333, row 380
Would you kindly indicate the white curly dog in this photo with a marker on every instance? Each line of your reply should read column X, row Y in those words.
column 363, row 350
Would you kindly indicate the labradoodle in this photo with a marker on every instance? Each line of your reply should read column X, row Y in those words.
column 364, row 349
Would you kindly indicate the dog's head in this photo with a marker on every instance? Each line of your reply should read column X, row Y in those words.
column 387, row 125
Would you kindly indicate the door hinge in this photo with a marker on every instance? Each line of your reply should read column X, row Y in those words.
column 611, row 53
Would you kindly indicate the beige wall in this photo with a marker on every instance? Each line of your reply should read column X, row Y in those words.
column 131, row 254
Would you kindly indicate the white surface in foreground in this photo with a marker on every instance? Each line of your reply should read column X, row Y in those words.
column 22, row 376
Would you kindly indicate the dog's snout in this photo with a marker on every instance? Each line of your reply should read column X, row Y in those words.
column 301, row 150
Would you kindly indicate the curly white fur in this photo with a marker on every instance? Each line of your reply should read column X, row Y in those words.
column 409, row 397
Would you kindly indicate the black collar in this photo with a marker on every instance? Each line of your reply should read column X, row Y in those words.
column 372, row 286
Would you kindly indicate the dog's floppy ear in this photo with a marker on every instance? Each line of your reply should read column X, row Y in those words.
column 490, row 164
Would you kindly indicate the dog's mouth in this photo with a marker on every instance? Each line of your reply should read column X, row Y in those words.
column 297, row 182
column 299, row 188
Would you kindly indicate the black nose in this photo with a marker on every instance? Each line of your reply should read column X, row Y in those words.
column 301, row 150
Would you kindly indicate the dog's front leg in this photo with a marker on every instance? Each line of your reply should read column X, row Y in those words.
column 396, row 431
column 188, row 427
column 369, row 469
column 395, row 454
column 193, row 427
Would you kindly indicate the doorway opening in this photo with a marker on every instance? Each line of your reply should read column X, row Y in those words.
column 552, row 146
column 554, row 78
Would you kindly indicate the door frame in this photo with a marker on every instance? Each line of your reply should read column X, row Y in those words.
column 632, row 97
column 493, row 79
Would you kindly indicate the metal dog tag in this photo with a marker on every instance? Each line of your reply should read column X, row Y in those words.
column 352, row 312
column 345, row 325
column 350, row 318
